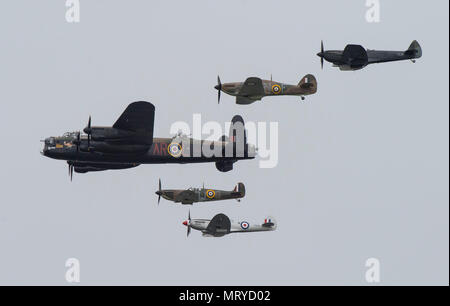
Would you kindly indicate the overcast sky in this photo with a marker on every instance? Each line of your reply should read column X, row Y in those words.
column 363, row 164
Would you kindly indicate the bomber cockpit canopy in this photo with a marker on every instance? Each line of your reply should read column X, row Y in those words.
column 70, row 134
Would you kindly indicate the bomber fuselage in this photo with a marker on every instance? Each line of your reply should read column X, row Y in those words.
column 64, row 148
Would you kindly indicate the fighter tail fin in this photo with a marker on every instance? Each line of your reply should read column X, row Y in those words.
column 414, row 50
column 308, row 82
column 270, row 222
column 240, row 188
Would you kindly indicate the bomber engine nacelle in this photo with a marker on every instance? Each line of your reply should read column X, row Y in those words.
column 108, row 134
column 224, row 166
column 111, row 148
column 88, row 167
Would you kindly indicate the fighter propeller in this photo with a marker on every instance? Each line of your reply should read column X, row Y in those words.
column 321, row 54
column 188, row 224
column 159, row 192
column 219, row 89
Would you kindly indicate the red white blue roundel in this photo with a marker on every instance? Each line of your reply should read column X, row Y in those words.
column 175, row 149
column 210, row 194
column 245, row 225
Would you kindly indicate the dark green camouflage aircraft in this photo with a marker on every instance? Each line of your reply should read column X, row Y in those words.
column 254, row 89
column 355, row 57
column 195, row 195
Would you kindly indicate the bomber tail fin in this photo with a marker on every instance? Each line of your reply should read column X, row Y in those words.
column 414, row 50
column 224, row 138
column 237, row 131
column 236, row 146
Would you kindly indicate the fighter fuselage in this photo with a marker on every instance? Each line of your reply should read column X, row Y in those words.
column 271, row 88
column 236, row 227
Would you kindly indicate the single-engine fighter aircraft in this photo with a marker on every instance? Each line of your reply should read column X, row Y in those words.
column 194, row 195
column 130, row 142
column 221, row 225
column 254, row 89
column 355, row 57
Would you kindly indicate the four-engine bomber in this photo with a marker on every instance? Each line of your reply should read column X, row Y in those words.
column 130, row 143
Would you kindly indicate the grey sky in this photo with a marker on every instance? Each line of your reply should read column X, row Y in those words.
column 363, row 169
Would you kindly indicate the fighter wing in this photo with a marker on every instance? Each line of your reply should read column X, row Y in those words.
column 253, row 87
column 219, row 225
column 244, row 100
column 355, row 56
column 186, row 197
column 137, row 117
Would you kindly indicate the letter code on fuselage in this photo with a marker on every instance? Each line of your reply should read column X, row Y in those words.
column 160, row 148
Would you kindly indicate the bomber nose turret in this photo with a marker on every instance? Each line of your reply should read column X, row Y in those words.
column 48, row 142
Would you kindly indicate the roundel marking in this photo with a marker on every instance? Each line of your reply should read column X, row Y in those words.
column 210, row 194
column 245, row 225
column 175, row 149
column 276, row 89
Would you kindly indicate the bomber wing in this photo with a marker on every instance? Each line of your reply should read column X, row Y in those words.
column 138, row 117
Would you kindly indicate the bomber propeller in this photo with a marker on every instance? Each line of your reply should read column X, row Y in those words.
column 77, row 141
column 71, row 171
column 88, row 131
